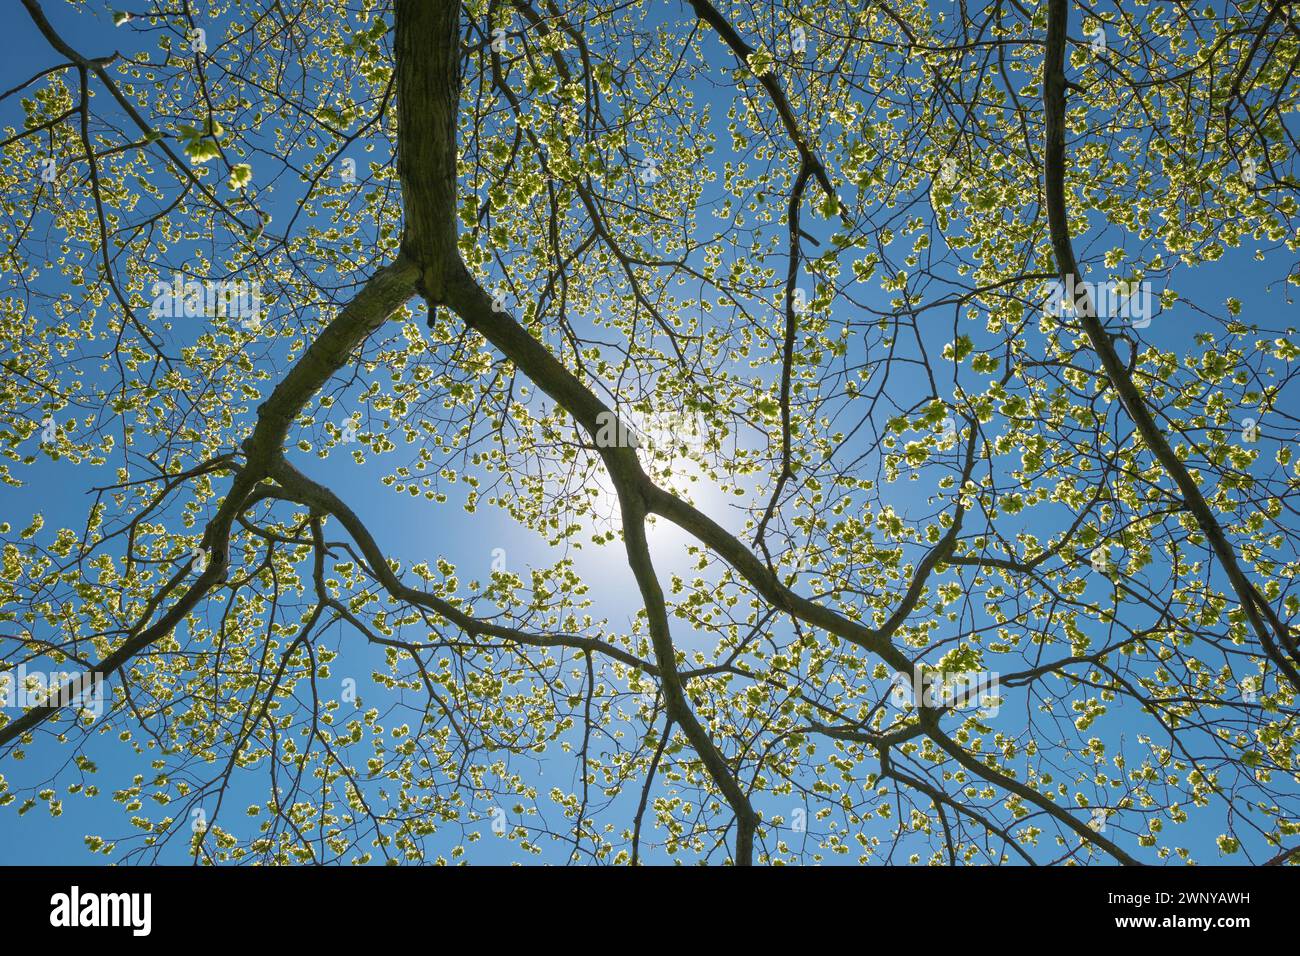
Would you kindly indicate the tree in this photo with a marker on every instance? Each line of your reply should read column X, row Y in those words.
column 1014, row 587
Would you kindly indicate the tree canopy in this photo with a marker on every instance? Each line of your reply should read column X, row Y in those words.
column 889, row 409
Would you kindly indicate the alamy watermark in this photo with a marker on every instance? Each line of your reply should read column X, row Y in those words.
column 190, row 298
column 664, row 431
column 23, row 689
column 75, row 909
column 959, row 690
column 1109, row 299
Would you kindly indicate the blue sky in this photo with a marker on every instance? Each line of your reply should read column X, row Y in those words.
column 412, row 531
